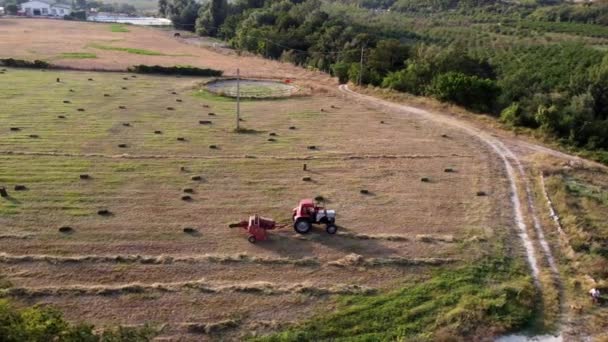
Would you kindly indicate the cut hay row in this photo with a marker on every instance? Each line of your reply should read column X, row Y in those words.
column 201, row 285
column 428, row 238
column 210, row 328
column 349, row 260
column 354, row 259
column 347, row 156
column 156, row 260
column 15, row 236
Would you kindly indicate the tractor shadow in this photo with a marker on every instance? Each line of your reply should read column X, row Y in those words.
column 286, row 244
column 12, row 199
column 292, row 244
column 349, row 244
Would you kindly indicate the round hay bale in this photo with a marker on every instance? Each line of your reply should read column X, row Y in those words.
column 90, row 79
column 322, row 110
column 211, row 114
column 85, row 176
column 213, row 147
column 307, row 179
column 34, row 136
column 444, row 135
column 106, row 95
column 71, row 90
column 174, row 93
column 196, row 178
column 158, row 132
column 61, row 116
column 126, row 124
column 272, row 139
column 125, row 78
column 122, row 145
column 15, row 129
column 124, row 88
column 133, row 76
column 20, row 187
column 181, row 139
column 481, row 193
column 205, row 122
column 80, row 109
column 190, row 230
column 241, row 119
column 312, row 147
column 58, row 80
column 334, row 107
column 186, row 198
column 122, row 107
column 188, row 190
column 448, row 169
column 292, row 127
column 170, row 108
column 65, row 229
column 382, row 122
column 66, row 101
column 272, row 134
column 425, row 179
column 103, row 212
column 319, row 198
column 364, row 191
column 178, row 100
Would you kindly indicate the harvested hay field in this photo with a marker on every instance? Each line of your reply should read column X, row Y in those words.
column 111, row 269
column 86, row 45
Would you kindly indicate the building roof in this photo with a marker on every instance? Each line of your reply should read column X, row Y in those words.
column 51, row 3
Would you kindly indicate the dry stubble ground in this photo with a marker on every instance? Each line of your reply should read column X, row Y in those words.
column 142, row 184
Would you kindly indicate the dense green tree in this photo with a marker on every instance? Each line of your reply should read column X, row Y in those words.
column 211, row 17
column 162, row 7
column 470, row 91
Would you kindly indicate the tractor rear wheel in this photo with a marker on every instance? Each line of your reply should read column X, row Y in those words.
column 331, row 229
column 302, row 226
column 252, row 239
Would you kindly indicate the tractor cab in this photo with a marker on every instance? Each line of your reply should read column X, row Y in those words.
column 308, row 213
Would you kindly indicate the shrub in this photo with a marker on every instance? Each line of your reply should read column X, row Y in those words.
column 47, row 324
column 76, row 15
column 413, row 79
column 21, row 63
column 472, row 92
column 341, row 72
column 174, row 70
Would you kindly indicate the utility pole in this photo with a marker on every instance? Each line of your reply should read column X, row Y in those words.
column 361, row 67
column 238, row 99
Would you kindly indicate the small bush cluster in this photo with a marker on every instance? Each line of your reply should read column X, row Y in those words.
column 47, row 324
column 22, row 63
column 175, row 70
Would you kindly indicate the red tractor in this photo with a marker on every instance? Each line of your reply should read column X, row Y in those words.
column 308, row 213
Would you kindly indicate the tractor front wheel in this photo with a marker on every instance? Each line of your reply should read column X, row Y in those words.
column 251, row 239
column 331, row 229
column 302, row 226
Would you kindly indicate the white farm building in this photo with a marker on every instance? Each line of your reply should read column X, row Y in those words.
column 45, row 9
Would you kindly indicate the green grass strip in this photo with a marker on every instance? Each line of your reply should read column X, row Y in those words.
column 119, row 28
column 77, row 55
column 478, row 300
column 128, row 50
